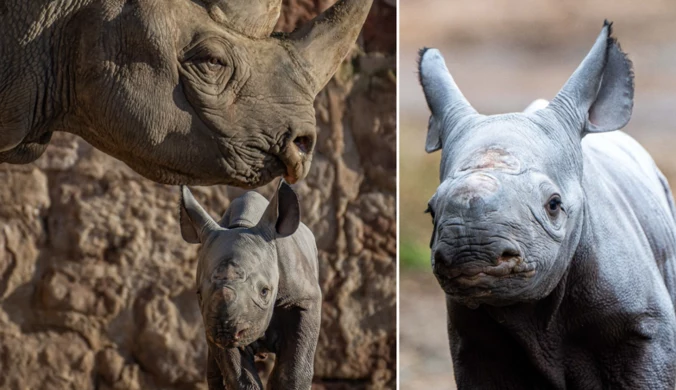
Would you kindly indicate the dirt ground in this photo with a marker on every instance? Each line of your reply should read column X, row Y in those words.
column 425, row 359
column 504, row 54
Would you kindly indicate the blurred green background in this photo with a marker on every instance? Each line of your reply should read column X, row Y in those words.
column 503, row 55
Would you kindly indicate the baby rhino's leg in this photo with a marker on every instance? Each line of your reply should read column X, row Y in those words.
column 237, row 369
column 214, row 376
column 298, row 335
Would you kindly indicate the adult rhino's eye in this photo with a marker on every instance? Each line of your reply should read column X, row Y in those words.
column 554, row 205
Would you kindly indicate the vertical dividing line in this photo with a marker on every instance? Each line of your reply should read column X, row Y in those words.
column 398, row 239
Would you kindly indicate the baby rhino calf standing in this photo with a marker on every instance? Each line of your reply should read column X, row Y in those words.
column 258, row 290
column 554, row 238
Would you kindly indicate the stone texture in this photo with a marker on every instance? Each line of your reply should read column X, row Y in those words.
column 97, row 286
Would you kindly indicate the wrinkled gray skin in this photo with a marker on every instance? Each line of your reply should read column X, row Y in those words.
column 258, row 289
column 183, row 91
column 556, row 252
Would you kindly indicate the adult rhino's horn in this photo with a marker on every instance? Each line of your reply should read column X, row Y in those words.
column 255, row 18
column 444, row 99
column 325, row 41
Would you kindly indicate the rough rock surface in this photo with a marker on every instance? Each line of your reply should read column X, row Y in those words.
column 97, row 286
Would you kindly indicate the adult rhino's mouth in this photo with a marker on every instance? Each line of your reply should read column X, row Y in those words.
column 256, row 160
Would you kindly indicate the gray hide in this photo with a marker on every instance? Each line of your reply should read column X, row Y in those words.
column 555, row 245
column 183, row 91
column 258, row 289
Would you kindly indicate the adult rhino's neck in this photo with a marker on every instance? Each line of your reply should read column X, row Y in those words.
column 36, row 46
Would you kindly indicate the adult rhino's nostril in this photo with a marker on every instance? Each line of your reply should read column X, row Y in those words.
column 304, row 143
column 297, row 153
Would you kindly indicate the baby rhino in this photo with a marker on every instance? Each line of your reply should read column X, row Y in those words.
column 554, row 237
column 258, row 289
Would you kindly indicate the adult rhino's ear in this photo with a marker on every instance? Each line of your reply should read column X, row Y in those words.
column 601, row 91
column 196, row 224
column 444, row 99
column 283, row 213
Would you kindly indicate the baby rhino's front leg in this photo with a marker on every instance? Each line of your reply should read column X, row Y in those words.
column 232, row 369
column 298, row 331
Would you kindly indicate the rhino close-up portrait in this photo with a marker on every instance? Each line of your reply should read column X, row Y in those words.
column 257, row 287
column 183, row 91
column 554, row 241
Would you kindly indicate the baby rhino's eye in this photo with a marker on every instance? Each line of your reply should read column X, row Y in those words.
column 265, row 292
column 554, row 205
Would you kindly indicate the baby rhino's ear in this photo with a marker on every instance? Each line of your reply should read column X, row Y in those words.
column 283, row 213
column 600, row 93
column 196, row 224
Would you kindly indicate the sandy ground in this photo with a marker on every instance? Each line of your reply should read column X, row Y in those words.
column 503, row 54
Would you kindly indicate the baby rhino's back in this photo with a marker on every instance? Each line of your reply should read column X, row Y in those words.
column 244, row 211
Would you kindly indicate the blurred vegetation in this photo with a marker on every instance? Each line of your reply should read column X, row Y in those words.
column 419, row 178
column 413, row 255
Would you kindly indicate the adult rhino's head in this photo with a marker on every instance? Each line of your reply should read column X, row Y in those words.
column 509, row 210
column 202, row 92
column 237, row 271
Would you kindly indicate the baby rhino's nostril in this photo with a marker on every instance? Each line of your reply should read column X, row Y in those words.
column 509, row 253
column 438, row 257
column 240, row 333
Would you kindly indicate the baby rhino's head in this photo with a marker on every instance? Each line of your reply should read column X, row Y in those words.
column 237, row 271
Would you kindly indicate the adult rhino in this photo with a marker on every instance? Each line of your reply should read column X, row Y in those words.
column 183, row 91
column 555, row 245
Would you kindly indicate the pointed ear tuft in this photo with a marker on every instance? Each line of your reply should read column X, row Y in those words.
column 609, row 24
column 283, row 213
column 196, row 224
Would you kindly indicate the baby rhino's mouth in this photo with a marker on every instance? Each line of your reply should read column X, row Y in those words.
column 479, row 278
column 239, row 336
column 474, row 275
